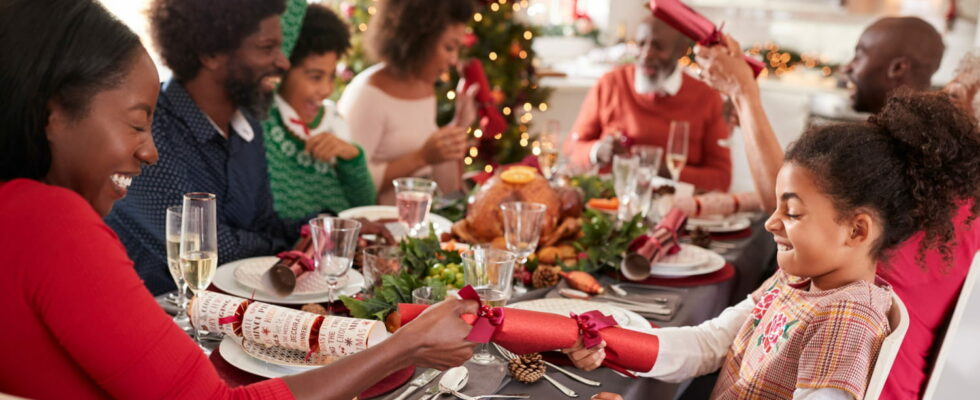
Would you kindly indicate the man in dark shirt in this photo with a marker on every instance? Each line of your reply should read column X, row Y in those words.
column 226, row 62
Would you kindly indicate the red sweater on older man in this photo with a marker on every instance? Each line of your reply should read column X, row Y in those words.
column 614, row 106
column 78, row 322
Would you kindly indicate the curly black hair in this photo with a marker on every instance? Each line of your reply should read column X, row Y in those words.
column 65, row 51
column 403, row 33
column 911, row 164
column 185, row 30
column 322, row 32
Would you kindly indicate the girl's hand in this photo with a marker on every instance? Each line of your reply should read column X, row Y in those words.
column 586, row 359
column 606, row 396
column 326, row 146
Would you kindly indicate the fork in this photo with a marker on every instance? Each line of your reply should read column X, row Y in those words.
column 564, row 389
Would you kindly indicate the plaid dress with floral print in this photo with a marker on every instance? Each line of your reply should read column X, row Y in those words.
column 796, row 338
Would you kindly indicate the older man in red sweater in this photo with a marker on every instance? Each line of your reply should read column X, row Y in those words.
column 640, row 100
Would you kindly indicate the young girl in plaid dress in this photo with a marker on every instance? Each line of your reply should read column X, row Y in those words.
column 847, row 195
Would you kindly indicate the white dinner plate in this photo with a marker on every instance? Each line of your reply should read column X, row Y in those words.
column 374, row 213
column 731, row 223
column 690, row 256
column 224, row 279
column 626, row 319
column 715, row 262
column 231, row 350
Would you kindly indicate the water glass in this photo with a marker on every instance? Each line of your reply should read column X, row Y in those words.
column 426, row 295
column 413, row 197
column 334, row 244
column 642, row 194
column 199, row 244
column 380, row 260
column 174, row 215
column 624, row 181
column 649, row 156
column 490, row 272
column 677, row 148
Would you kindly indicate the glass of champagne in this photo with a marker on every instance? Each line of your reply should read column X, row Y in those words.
column 413, row 197
column 522, row 229
column 490, row 272
column 199, row 244
column 624, row 181
column 677, row 148
column 174, row 215
column 547, row 150
column 334, row 244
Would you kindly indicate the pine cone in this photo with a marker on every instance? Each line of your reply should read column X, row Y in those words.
column 701, row 238
column 545, row 276
column 527, row 368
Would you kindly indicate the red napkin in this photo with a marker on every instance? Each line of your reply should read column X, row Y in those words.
column 524, row 331
column 694, row 26
column 662, row 239
column 491, row 121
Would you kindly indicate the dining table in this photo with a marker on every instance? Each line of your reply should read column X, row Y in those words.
column 750, row 258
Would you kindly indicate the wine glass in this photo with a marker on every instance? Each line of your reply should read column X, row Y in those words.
column 522, row 229
column 379, row 260
column 649, row 156
column 490, row 272
column 334, row 244
column 413, row 197
column 677, row 148
column 547, row 150
column 624, row 181
column 199, row 244
column 174, row 215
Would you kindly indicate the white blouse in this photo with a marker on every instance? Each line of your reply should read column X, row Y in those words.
column 388, row 128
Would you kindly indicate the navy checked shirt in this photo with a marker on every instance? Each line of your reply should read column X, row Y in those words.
column 195, row 157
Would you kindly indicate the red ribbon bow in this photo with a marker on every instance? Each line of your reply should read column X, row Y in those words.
column 488, row 319
column 590, row 323
column 297, row 256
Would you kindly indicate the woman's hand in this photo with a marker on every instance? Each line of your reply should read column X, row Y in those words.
column 438, row 335
column 586, row 359
column 446, row 144
column 606, row 396
column 466, row 105
column 724, row 68
column 326, row 146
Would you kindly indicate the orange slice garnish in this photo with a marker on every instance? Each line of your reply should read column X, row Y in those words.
column 518, row 175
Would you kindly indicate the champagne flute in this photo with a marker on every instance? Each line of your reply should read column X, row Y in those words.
column 199, row 244
column 677, row 148
column 547, row 150
column 522, row 229
column 174, row 215
column 490, row 272
column 413, row 197
column 334, row 243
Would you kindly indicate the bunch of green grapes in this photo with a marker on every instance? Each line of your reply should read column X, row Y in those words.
column 450, row 274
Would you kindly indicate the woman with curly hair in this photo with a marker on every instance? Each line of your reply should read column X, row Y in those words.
column 848, row 195
column 391, row 106
column 312, row 164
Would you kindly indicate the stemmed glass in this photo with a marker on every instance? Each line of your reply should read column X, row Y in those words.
column 174, row 215
column 199, row 244
column 413, row 197
column 490, row 272
column 624, row 182
column 334, row 243
column 547, row 150
column 677, row 148
column 522, row 229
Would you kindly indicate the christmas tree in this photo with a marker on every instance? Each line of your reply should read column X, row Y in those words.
column 503, row 44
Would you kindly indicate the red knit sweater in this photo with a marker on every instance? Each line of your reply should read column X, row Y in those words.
column 613, row 105
column 78, row 322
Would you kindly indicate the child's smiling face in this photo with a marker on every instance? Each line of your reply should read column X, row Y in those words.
column 812, row 238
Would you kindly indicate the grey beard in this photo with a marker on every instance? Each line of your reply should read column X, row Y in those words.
column 644, row 84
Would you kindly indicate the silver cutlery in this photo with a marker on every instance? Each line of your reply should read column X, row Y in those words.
column 454, row 380
column 419, row 382
column 618, row 289
column 564, row 389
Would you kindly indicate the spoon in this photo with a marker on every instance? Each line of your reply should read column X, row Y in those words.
column 453, row 380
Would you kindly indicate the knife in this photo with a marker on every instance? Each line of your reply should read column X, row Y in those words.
column 418, row 382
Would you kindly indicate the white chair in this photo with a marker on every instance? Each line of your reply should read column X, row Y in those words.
column 955, row 374
column 898, row 320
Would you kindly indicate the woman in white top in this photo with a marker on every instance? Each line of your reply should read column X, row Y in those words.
column 391, row 107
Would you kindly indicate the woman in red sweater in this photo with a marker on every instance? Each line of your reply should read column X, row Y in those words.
column 78, row 93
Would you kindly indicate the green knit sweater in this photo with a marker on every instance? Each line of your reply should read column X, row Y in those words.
column 302, row 185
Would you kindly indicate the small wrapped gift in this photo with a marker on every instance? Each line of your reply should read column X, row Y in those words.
column 215, row 312
column 694, row 26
